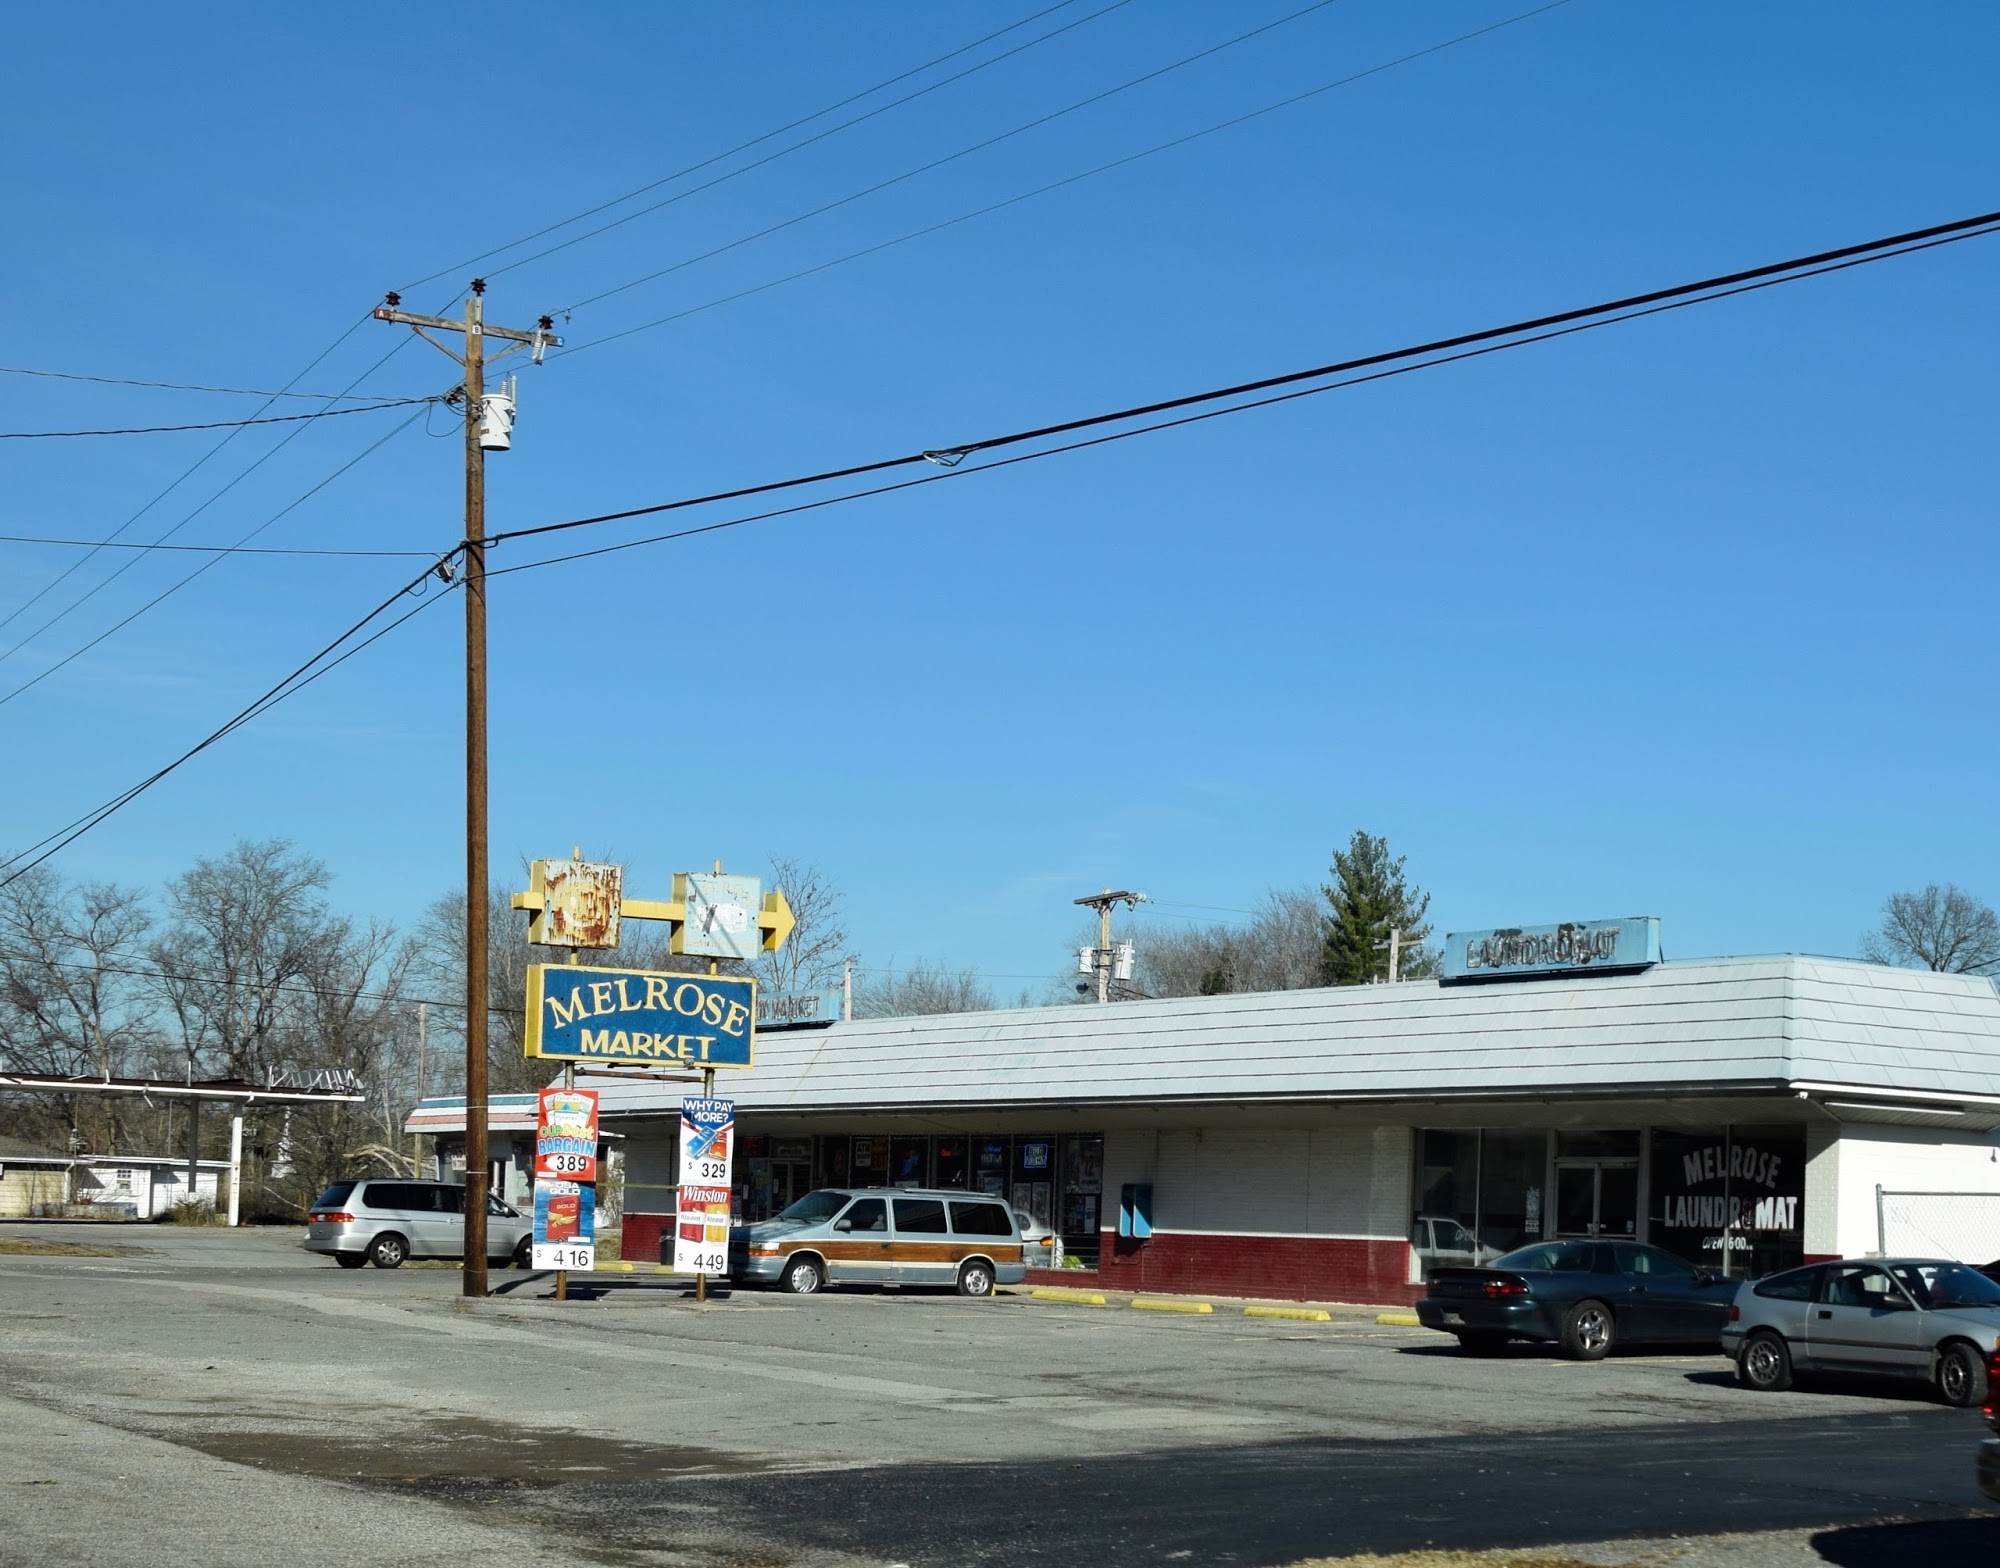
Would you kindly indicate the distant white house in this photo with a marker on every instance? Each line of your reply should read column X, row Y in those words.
column 103, row 1186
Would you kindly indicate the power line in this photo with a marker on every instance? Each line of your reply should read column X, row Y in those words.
column 963, row 152
column 1055, row 185
column 212, row 549
column 785, row 152
column 185, row 474
column 755, row 141
column 153, row 972
column 1689, row 293
column 215, row 424
column 1562, row 324
column 299, row 678
column 206, row 566
column 955, row 455
column 176, row 386
column 108, row 580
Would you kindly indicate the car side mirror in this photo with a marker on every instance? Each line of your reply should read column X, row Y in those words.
column 843, row 1224
column 1898, row 1304
column 1703, row 1278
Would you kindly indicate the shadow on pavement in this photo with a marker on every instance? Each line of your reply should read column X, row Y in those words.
column 1930, row 1543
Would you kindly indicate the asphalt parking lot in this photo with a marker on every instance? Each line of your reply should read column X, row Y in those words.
column 273, row 1406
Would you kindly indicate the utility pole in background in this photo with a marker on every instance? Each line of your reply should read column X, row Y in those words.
column 1101, row 956
column 1395, row 947
column 488, row 425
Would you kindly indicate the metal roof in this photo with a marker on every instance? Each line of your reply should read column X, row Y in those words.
column 1731, row 1026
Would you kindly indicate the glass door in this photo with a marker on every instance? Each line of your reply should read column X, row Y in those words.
column 1597, row 1197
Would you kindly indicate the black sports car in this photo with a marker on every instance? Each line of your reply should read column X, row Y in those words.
column 1582, row 1295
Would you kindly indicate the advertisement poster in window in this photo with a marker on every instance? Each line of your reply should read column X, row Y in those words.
column 1731, row 1200
column 565, row 1235
column 566, row 1135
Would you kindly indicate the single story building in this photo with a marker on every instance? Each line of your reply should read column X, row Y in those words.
column 511, row 1121
column 104, row 1186
column 1746, row 1113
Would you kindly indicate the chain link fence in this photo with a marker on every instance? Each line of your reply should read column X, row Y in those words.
column 1962, row 1225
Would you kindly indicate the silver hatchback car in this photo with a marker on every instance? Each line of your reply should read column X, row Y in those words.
column 384, row 1220
column 1926, row 1318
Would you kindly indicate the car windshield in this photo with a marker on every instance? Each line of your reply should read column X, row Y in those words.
column 1940, row 1285
column 814, row 1207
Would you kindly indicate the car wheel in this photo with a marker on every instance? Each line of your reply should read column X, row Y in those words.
column 802, row 1277
column 524, row 1255
column 1477, row 1343
column 1587, row 1331
column 1764, row 1363
column 975, row 1279
column 1961, row 1376
column 350, row 1260
column 388, row 1251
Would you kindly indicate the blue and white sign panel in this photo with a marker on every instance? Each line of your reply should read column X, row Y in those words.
column 797, row 1009
column 578, row 1013
column 1574, row 947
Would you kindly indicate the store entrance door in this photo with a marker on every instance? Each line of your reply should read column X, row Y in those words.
column 1597, row 1198
column 791, row 1180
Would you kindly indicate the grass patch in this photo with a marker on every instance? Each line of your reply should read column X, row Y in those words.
column 26, row 1247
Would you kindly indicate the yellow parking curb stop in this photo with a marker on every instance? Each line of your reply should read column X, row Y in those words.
column 1295, row 1314
column 1080, row 1298
column 1145, row 1305
column 1399, row 1319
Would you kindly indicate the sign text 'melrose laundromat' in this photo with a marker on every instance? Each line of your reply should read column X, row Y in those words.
column 579, row 1013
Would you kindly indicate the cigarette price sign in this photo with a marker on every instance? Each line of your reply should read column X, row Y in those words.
column 701, row 1232
column 566, row 1135
column 565, row 1225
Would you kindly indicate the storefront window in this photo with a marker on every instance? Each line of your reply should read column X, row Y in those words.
column 1513, row 1167
column 1730, row 1199
column 949, row 1155
column 1035, row 1177
column 990, row 1164
column 910, row 1162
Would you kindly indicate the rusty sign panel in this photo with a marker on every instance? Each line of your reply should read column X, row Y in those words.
column 574, row 903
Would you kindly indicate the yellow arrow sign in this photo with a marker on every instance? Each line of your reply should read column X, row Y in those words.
column 775, row 920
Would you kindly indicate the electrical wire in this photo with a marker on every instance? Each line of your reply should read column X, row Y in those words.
column 186, row 474
column 153, row 972
column 740, row 147
column 272, row 452
column 177, row 386
column 206, row 566
column 1055, row 185
column 300, row 677
column 954, row 157
column 1562, row 324
column 215, row 424
column 785, row 152
column 1686, row 293
column 212, row 549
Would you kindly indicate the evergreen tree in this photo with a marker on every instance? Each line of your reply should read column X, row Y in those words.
column 1366, row 899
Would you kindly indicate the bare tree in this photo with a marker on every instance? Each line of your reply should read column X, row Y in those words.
column 811, row 958
column 73, row 1001
column 921, row 989
column 1942, row 928
column 1279, row 949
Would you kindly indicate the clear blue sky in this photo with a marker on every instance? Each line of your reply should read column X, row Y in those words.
column 1686, row 617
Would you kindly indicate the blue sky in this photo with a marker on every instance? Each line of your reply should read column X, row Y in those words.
column 1685, row 617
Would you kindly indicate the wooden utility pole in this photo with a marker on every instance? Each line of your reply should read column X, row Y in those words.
column 473, row 549
column 1103, row 903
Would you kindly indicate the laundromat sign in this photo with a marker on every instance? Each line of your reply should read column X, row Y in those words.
column 1573, row 947
column 580, row 1014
